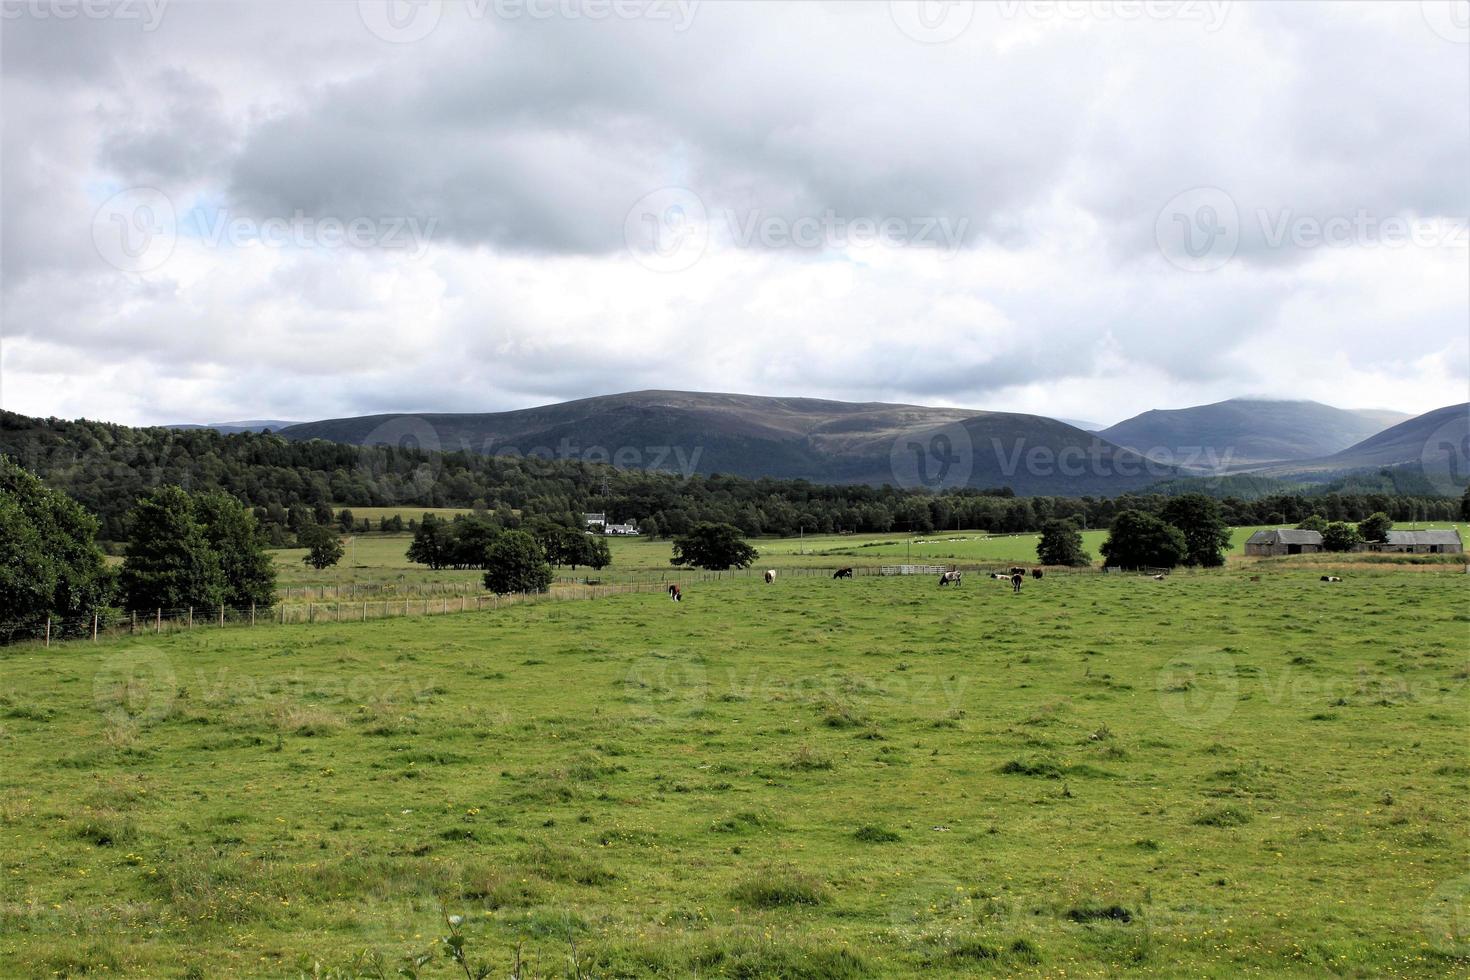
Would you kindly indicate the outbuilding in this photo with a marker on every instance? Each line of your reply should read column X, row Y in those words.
column 1418, row 543
column 1284, row 541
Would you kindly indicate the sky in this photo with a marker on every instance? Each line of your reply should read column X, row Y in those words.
column 213, row 211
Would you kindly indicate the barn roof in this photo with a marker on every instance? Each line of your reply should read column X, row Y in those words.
column 1285, row 535
column 1424, row 537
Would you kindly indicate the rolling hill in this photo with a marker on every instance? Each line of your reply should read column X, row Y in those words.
column 807, row 438
column 1436, row 443
column 1247, row 431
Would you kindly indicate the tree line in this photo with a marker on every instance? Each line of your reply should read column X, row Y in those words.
column 293, row 485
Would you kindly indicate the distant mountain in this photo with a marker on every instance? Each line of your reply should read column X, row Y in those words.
column 1247, row 431
column 1437, row 444
column 226, row 428
column 805, row 438
column 1084, row 426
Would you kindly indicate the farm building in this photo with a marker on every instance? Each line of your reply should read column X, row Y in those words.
column 1418, row 543
column 1284, row 541
column 622, row 529
column 595, row 521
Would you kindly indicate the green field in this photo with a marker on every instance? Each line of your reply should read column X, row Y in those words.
column 1209, row 776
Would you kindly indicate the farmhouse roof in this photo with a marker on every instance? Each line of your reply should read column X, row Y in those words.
column 1283, row 535
column 1423, row 537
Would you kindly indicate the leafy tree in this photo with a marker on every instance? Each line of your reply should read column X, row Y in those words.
column 231, row 530
column 433, row 544
column 1340, row 536
column 1375, row 527
column 1206, row 535
column 714, row 547
column 298, row 518
column 323, row 546
column 588, row 549
column 1061, row 544
column 170, row 563
column 515, row 563
column 650, row 527
column 1316, row 523
column 473, row 537
column 392, row 525
column 50, row 564
column 1465, row 505
column 321, row 513
column 1139, row 540
column 346, row 521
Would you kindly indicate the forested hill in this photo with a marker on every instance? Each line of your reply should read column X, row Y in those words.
column 105, row 467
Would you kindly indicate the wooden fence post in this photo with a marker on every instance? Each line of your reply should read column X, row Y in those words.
column 158, row 620
column 191, row 617
column 221, row 617
column 48, row 631
column 252, row 614
column 94, row 627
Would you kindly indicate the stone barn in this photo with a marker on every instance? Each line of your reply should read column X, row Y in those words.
column 1284, row 541
column 1418, row 543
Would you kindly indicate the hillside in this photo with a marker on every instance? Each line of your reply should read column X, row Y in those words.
column 1244, row 431
column 1436, row 443
column 805, row 438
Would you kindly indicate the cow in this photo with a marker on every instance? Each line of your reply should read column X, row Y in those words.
column 770, row 575
column 1036, row 573
column 842, row 573
column 1331, row 578
column 676, row 593
column 1000, row 576
column 1017, row 570
column 1016, row 580
column 1159, row 577
column 949, row 578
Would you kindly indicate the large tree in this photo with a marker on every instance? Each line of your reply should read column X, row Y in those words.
column 50, row 565
column 231, row 530
column 714, row 547
column 1206, row 534
column 1340, row 536
column 1375, row 527
column 1139, row 540
column 516, row 563
column 1061, row 544
column 323, row 546
column 170, row 563
column 433, row 543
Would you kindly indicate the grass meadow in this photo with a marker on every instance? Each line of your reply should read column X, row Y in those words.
column 1237, row 772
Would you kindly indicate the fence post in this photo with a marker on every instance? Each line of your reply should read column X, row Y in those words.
column 191, row 617
column 134, row 628
column 48, row 631
column 252, row 614
column 94, row 627
column 158, row 620
column 221, row 617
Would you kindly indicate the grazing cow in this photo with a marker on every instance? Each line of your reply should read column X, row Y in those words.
column 676, row 593
column 842, row 573
column 1159, row 578
column 949, row 578
column 1331, row 578
column 770, row 575
column 1016, row 580
column 1036, row 573
column 1017, row 570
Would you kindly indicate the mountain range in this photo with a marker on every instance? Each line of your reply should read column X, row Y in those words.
column 912, row 445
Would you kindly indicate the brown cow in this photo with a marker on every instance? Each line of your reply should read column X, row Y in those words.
column 1017, row 570
column 1036, row 573
column 676, row 593
column 770, row 575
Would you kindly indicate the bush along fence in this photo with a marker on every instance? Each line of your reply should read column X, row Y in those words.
column 116, row 625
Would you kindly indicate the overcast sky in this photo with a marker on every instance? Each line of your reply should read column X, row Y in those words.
column 218, row 211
